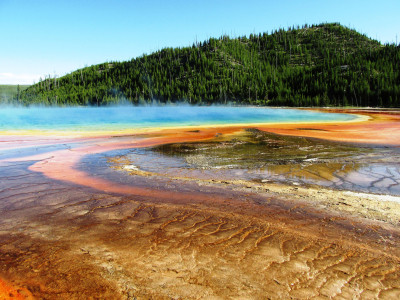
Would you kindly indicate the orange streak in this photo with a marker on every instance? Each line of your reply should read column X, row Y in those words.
column 59, row 165
column 8, row 291
column 381, row 128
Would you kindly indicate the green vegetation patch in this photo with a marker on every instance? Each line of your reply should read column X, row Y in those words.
column 319, row 65
column 11, row 93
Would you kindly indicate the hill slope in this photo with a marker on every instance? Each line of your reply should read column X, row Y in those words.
column 325, row 64
column 9, row 93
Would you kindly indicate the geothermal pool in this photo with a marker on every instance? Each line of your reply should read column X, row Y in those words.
column 273, row 159
column 205, row 202
column 130, row 117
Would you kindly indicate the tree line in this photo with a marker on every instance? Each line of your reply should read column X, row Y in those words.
column 318, row 65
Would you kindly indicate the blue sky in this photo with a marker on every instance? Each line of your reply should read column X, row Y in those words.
column 42, row 37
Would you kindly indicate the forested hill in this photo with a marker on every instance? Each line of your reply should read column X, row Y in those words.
column 317, row 65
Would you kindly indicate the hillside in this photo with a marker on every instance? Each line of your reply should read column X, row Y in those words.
column 10, row 93
column 317, row 65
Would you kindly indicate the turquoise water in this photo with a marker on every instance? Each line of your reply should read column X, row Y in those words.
column 125, row 117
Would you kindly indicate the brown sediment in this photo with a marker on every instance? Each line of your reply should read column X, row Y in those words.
column 68, row 234
column 106, row 246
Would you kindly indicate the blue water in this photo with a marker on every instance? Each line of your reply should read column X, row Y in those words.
column 125, row 117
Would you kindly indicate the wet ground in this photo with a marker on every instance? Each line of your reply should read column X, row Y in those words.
column 259, row 156
column 200, row 214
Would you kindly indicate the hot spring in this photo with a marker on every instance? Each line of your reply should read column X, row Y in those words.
column 128, row 117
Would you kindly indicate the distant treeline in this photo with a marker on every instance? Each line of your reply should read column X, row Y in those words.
column 319, row 65
column 11, row 93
